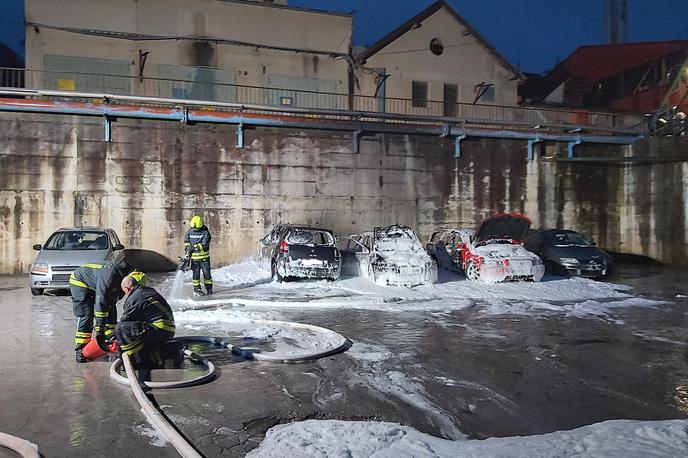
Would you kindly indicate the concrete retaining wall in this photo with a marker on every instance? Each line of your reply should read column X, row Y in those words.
column 57, row 171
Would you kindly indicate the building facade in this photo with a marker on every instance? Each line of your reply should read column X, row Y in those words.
column 189, row 49
column 436, row 59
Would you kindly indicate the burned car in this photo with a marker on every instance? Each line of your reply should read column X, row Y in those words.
column 390, row 255
column 494, row 252
column 569, row 253
column 291, row 251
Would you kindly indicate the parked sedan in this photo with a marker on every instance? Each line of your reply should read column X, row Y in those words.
column 67, row 249
column 390, row 255
column 569, row 253
column 290, row 251
column 494, row 252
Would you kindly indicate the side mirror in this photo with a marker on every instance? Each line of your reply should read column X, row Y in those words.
column 119, row 246
column 37, row 247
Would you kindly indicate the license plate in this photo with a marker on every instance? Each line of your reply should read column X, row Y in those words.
column 312, row 262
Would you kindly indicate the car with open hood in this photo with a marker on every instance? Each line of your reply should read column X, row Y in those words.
column 494, row 252
column 390, row 255
column 569, row 253
column 300, row 251
column 65, row 250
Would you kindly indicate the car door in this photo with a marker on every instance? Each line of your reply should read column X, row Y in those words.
column 441, row 252
column 354, row 255
column 452, row 248
column 266, row 247
column 431, row 246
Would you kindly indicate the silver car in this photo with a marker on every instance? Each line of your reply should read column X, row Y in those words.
column 67, row 249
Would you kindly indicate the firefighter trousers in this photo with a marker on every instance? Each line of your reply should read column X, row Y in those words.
column 196, row 267
column 137, row 338
column 83, row 302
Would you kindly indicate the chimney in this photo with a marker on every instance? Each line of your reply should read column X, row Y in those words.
column 615, row 21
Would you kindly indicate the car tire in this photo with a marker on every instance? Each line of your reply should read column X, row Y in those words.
column 472, row 272
column 37, row 291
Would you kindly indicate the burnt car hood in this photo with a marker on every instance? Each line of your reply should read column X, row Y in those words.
column 502, row 227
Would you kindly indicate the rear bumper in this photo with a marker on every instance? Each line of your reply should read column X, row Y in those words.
column 524, row 271
column 297, row 269
column 406, row 275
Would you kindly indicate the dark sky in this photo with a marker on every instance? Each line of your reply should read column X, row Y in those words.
column 531, row 34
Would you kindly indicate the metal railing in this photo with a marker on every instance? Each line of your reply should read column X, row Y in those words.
column 296, row 98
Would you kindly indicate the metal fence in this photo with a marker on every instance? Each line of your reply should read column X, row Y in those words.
column 293, row 98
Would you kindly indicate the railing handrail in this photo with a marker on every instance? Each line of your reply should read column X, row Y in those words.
column 564, row 110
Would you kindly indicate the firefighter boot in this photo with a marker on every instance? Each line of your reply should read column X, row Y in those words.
column 198, row 291
column 209, row 289
column 80, row 358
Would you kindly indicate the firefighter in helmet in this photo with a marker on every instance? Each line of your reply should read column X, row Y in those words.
column 197, row 245
column 95, row 290
column 147, row 320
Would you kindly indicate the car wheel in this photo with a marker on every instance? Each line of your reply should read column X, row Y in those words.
column 472, row 272
column 37, row 291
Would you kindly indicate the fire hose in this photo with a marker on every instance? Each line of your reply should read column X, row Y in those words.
column 24, row 448
column 178, row 441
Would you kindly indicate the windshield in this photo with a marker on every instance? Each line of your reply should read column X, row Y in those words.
column 395, row 238
column 310, row 237
column 77, row 240
column 568, row 239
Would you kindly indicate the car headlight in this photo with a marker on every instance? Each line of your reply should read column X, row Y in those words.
column 569, row 261
column 40, row 267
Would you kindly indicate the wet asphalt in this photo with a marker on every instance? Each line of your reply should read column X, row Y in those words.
column 447, row 373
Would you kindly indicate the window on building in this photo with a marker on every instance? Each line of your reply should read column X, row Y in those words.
column 484, row 92
column 419, row 94
column 451, row 98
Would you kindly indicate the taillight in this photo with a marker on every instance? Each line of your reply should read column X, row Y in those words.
column 284, row 247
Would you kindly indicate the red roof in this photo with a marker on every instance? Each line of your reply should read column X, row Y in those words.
column 594, row 63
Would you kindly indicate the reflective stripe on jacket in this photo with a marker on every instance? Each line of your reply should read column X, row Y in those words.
column 199, row 241
column 145, row 304
column 85, row 276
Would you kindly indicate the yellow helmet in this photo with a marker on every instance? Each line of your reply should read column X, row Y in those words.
column 140, row 277
column 196, row 222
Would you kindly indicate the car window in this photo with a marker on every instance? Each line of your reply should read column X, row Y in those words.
column 567, row 239
column 77, row 240
column 113, row 239
column 435, row 237
column 310, row 237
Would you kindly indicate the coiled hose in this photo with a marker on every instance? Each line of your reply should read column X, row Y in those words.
column 179, row 442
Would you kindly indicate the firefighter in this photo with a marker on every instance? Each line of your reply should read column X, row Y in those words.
column 147, row 320
column 197, row 245
column 95, row 290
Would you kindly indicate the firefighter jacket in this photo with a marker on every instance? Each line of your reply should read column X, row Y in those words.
column 104, row 279
column 146, row 305
column 198, row 240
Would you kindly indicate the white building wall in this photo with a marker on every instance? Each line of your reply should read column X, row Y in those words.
column 464, row 62
column 246, row 22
